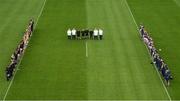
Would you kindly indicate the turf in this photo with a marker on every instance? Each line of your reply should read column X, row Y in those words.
column 162, row 17
column 14, row 16
column 117, row 68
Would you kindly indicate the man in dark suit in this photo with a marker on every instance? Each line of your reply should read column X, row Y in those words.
column 8, row 75
column 86, row 33
column 91, row 34
column 83, row 34
column 78, row 34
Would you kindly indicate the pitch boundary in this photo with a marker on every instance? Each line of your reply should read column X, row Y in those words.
column 146, row 48
column 9, row 86
column 86, row 56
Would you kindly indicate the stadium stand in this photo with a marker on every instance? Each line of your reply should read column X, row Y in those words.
column 17, row 55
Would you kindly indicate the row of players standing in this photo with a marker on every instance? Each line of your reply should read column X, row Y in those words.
column 15, row 57
column 157, row 60
column 96, row 34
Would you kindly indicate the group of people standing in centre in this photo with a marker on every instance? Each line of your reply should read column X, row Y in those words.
column 16, row 56
column 96, row 34
column 157, row 60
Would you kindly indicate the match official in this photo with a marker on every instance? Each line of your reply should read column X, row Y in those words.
column 95, row 33
column 69, row 34
column 78, row 32
column 74, row 33
column 91, row 32
column 100, row 34
column 87, row 33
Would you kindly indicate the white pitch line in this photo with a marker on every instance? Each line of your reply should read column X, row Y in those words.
column 148, row 52
column 4, row 98
column 86, row 49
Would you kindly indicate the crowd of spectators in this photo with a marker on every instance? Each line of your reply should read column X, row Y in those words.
column 157, row 60
column 16, row 56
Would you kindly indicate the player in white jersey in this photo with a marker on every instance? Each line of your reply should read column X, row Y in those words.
column 95, row 34
column 100, row 34
column 69, row 34
column 74, row 33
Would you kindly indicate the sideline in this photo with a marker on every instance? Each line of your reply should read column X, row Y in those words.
column 148, row 52
column 4, row 98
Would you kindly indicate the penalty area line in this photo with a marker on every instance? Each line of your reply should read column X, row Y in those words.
column 9, row 86
column 147, row 49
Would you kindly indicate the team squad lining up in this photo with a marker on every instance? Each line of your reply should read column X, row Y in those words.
column 96, row 34
column 17, row 55
column 157, row 60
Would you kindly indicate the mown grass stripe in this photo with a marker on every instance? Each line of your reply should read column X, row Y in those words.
column 11, row 82
column 149, row 54
column 86, row 49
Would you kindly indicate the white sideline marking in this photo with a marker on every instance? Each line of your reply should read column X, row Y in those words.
column 86, row 49
column 148, row 52
column 4, row 98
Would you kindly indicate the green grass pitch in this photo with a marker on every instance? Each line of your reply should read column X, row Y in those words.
column 116, row 68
